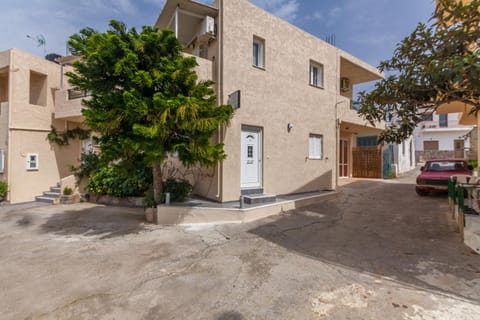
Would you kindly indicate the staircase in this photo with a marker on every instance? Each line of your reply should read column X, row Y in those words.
column 52, row 196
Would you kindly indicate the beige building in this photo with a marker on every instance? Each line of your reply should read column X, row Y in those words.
column 294, row 126
column 30, row 94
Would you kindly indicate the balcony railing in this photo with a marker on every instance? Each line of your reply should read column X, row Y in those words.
column 77, row 94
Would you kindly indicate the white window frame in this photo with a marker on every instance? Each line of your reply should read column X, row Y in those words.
column 316, row 71
column 29, row 163
column 258, row 57
column 315, row 146
column 2, row 161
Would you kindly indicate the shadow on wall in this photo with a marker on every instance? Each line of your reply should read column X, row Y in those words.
column 323, row 182
column 99, row 221
column 381, row 229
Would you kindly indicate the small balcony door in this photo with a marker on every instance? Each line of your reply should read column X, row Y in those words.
column 343, row 159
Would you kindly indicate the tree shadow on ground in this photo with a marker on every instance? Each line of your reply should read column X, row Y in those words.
column 230, row 315
column 382, row 229
column 99, row 221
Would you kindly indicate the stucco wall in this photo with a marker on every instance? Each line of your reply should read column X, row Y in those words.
column 28, row 128
column 276, row 96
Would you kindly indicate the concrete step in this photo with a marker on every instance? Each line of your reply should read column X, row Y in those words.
column 51, row 194
column 259, row 198
column 471, row 233
column 51, row 200
column 56, row 189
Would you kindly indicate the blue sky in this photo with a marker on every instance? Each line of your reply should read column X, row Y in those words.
column 368, row 29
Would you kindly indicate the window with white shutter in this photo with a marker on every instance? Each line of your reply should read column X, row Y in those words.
column 32, row 161
column 316, row 147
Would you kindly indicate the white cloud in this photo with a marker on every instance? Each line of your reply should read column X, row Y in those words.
column 284, row 9
column 317, row 16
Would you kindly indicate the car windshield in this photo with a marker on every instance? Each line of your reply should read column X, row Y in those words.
column 447, row 166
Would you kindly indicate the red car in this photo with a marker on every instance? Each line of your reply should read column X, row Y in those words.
column 436, row 173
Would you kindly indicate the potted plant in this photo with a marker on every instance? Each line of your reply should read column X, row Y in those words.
column 3, row 190
column 68, row 196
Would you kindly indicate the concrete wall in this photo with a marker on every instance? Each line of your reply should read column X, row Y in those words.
column 405, row 161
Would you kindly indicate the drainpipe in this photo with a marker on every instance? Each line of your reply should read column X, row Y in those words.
column 337, row 121
column 11, row 72
column 220, row 94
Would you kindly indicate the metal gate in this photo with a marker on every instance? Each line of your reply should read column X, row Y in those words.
column 387, row 160
column 367, row 162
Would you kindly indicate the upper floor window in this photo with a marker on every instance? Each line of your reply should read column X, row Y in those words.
column 427, row 117
column 443, row 120
column 316, row 74
column 258, row 52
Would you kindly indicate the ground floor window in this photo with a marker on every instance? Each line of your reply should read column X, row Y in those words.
column 32, row 161
column 316, row 146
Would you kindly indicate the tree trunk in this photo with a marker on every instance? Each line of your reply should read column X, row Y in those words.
column 157, row 182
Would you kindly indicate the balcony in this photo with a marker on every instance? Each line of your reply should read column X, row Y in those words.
column 351, row 121
column 68, row 105
column 204, row 68
column 354, row 71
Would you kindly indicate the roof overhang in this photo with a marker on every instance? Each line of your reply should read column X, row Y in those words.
column 168, row 11
column 357, row 71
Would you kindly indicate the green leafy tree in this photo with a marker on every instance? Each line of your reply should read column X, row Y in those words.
column 146, row 98
column 437, row 63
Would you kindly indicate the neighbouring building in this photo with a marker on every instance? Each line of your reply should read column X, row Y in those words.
column 391, row 159
column 30, row 104
column 442, row 136
column 294, row 128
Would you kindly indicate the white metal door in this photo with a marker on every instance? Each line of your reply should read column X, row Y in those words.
column 251, row 157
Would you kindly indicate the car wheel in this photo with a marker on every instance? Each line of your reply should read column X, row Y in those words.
column 421, row 192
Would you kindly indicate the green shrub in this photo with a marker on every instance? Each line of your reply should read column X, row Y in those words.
column 67, row 191
column 89, row 163
column 149, row 200
column 3, row 188
column 178, row 189
column 473, row 163
column 119, row 181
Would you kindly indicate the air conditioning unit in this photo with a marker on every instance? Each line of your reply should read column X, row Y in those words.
column 344, row 84
column 208, row 26
column 207, row 31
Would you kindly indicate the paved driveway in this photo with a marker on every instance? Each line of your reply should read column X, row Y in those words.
column 376, row 252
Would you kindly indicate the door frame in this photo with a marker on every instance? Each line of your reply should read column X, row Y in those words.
column 259, row 131
column 341, row 161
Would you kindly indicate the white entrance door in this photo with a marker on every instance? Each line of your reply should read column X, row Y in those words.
column 251, row 166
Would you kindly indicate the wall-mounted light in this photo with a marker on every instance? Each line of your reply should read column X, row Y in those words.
column 289, row 126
